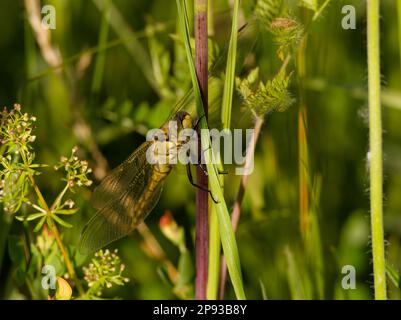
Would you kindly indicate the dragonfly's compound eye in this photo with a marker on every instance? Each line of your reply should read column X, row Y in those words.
column 184, row 119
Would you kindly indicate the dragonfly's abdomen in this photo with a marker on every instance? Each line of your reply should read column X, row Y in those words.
column 159, row 173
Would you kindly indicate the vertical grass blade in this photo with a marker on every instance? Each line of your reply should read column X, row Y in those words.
column 214, row 233
column 303, row 156
column 226, row 231
column 102, row 43
column 399, row 29
column 230, row 71
column 134, row 47
column 214, row 256
column 375, row 140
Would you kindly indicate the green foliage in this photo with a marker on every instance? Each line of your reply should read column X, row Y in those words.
column 76, row 170
column 16, row 139
column 287, row 35
column 310, row 4
column 182, row 281
column 265, row 98
column 104, row 270
column 17, row 181
column 394, row 277
column 268, row 10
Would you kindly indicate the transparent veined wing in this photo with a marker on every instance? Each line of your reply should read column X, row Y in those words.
column 118, row 179
column 116, row 199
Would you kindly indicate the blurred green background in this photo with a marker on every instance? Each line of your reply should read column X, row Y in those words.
column 118, row 79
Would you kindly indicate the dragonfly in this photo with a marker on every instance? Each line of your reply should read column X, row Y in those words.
column 130, row 192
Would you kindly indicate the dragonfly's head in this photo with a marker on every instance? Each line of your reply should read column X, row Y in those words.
column 184, row 120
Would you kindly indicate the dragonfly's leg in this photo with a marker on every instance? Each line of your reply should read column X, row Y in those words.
column 191, row 181
column 197, row 122
column 203, row 166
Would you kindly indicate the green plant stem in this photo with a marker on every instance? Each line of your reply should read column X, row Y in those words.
column 303, row 157
column 67, row 260
column 214, row 247
column 318, row 13
column 54, row 228
column 202, row 197
column 236, row 213
column 102, row 43
column 375, row 137
column 399, row 29
column 210, row 20
column 230, row 71
column 227, row 101
column 134, row 47
column 60, row 243
column 214, row 233
column 56, row 202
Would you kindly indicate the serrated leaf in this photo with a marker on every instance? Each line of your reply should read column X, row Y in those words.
column 268, row 10
column 272, row 96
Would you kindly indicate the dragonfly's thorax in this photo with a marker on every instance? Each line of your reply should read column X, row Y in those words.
column 165, row 150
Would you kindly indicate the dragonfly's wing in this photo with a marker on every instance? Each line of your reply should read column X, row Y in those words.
column 120, row 190
column 116, row 220
column 118, row 179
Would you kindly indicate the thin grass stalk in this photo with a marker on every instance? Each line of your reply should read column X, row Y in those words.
column 303, row 157
column 375, row 138
column 210, row 18
column 202, row 197
column 102, row 43
column 214, row 232
column 214, row 245
column 134, row 47
column 230, row 71
column 399, row 29
column 236, row 213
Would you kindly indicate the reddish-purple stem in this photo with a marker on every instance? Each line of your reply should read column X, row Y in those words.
column 202, row 227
